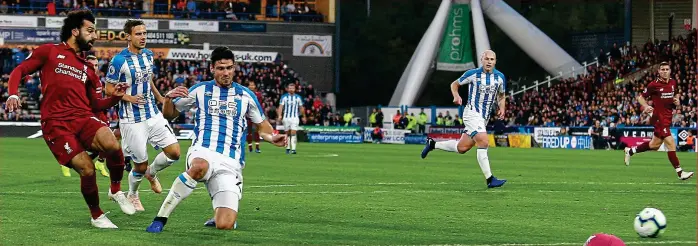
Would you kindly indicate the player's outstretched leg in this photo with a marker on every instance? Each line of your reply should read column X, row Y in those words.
column 166, row 158
column 88, row 187
column 646, row 146
column 461, row 146
column 483, row 159
column 109, row 147
column 181, row 188
column 670, row 144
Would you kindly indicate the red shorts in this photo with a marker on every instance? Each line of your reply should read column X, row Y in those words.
column 662, row 132
column 66, row 139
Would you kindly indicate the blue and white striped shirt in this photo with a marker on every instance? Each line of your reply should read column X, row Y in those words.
column 292, row 105
column 220, row 124
column 137, row 70
column 483, row 89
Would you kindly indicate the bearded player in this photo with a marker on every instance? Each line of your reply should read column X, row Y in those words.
column 69, row 127
column 661, row 93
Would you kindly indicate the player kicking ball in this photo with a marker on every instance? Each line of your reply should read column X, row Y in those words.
column 661, row 93
column 140, row 120
column 487, row 86
column 217, row 154
column 69, row 85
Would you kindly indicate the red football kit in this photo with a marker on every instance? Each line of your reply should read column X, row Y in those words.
column 662, row 96
column 67, row 119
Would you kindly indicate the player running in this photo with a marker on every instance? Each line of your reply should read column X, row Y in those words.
column 68, row 85
column 661, row 93
column 486, row 85
column 140, row 120
column 289, row 105
column 216, row 156
column 252, row 134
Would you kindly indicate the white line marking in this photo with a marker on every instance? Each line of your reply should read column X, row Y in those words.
column 319, row 156
column 385, row 191
column 445, row 183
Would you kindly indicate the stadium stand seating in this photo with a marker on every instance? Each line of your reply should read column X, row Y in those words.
column 271, row 79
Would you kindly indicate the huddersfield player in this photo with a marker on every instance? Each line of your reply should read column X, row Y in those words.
column 486, row 86
column 288, row 113
column 662, row 94
column 217, row 154
column 140, row 120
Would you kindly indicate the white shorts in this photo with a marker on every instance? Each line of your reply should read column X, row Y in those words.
column 223, row 179
column 290, row 124
column 473, row 122
column 136, row 136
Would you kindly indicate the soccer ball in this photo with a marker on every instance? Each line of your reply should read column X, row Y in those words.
column 650, row 222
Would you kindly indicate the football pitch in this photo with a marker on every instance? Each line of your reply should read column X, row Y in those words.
column 367, row 194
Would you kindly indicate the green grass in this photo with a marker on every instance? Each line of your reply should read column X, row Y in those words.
column 367, row 194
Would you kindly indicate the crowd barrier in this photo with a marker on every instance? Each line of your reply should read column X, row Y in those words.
column 514, row 137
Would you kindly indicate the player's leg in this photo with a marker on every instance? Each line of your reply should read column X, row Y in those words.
column 127, row 159
column 250, row 133
column 162, row 136
column 294, row 137
column 465, row 143
column 670, row 145
column 88, row 187
column 225, row 189
column 100, row 164
column 653, row 144
column 255, row 136
column 135, row 139
column 198, row 168
column 65, row 170
column 482, row 141
column 287, row 131
column 105, row 142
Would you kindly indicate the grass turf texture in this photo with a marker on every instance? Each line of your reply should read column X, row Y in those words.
column 367, row 194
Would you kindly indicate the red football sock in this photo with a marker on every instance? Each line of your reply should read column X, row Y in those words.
column 88, row 187
column 641, row 148
column 673, row 159
column 115, row 164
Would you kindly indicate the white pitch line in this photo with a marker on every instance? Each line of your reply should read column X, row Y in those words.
column 576, row 244
column 445, row 183
column 381, row 191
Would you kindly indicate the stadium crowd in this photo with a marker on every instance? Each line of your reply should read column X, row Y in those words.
column 603, row 95
column 270, row 79
column 181, row 9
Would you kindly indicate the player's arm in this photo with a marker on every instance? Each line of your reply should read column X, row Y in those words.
column 99, row 103
column 115, row 76
column 464, row 79
column 300, row 102
column 502, row 99
column 156, row 92
column 280, row 109
column 642, row 99
column 265, row 130
column 31, row 64
column 177, row 100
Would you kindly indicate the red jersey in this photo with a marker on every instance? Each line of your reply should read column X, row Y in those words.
column 66, row 79
column 662, row 96
column 260, row 99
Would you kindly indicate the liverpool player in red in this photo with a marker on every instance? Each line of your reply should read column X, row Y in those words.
column 661, row 93
column 100, row 164
column 68, row 84
column 252, row 134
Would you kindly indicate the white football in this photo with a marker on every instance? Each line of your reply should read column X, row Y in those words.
column 650, row 222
